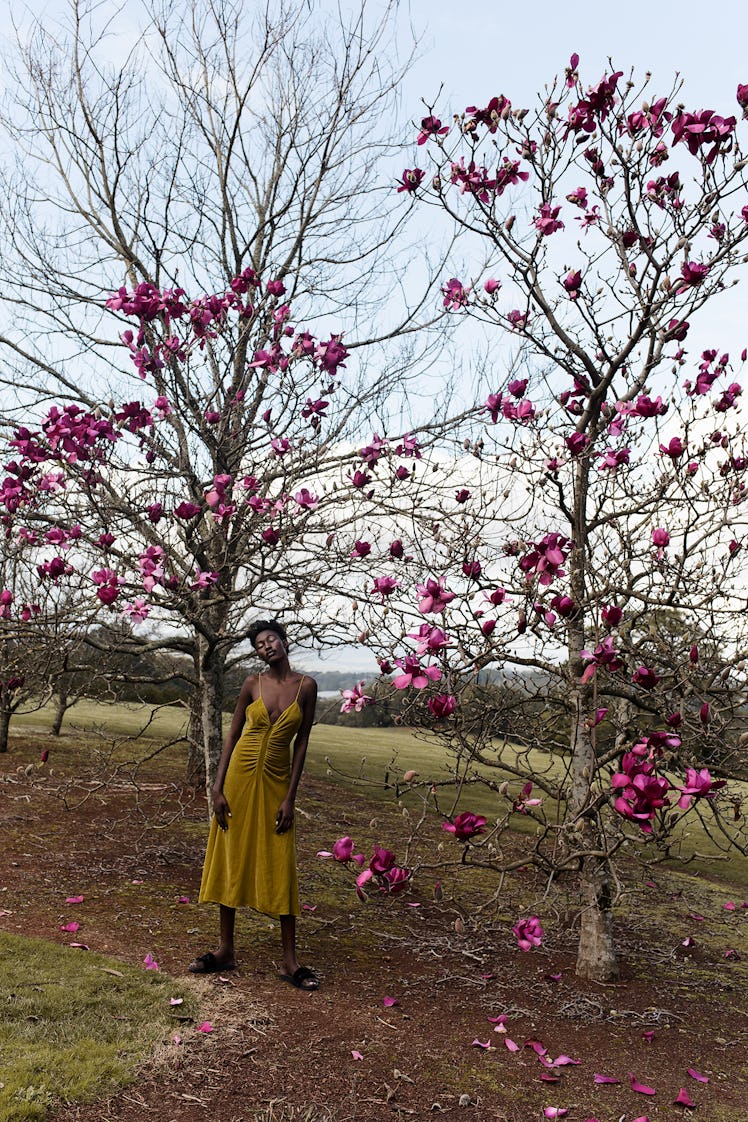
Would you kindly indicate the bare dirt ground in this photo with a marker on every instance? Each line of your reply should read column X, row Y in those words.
column 134, row 851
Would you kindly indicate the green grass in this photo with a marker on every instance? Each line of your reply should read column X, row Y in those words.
column 359, row 758
column 73, row 1025
column 166, row 722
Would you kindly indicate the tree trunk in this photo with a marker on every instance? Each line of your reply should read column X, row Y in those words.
column 194, row 771
column 596, row 954
column 211, row 688
column 5, row 715
column 61, row 708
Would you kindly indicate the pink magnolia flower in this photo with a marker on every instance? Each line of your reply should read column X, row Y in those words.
column 455, row 295
column 462, row 495
column 431, row 127
column 528, row 933
column 430, row 638
column 577, row 443
column 415, row 675
column 674, row 449
column 394, row 880
column 645, row 677
column 465, row 826
column 546, row 557
column 578, row 197
column 697, row 130
column 523, row 800
column 605, row 655
column 354, row 700
column 385, row 586
column 342, row 851
column 661, row 539
column 187, row 510
column 492, row 286
column 137, row 611
column 698, row 785
column 443, row 705
column 204, row 580
column 613, row 458
column 108, row 585
column 548, row 221
column 410, row 180
column 434, row 596
column 572, row 282
column 693, row 274
column 306, row 500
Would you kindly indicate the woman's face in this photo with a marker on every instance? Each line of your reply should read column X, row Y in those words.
column 269, row 646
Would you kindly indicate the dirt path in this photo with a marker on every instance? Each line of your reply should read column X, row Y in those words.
column 135, row 856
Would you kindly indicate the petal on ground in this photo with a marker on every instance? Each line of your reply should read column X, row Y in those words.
column 697, row 1075
column 640, row 1088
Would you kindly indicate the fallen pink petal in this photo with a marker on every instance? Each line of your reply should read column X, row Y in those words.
column 562, row 1061
column 550, row 1077
column 555, row 1111
column 356, row 1054
column 640, row 1088
column 176, row 1038
column 683, row 1098
column 485, row 1044
column 500, row 1020
column 80, row 946
column 206, row 1026
column 537, row 1046
column 176, row 1000
column 553, row 977
column 697, row 1075
column 648, row 1035
column 71, row 927
column 729, row 906
column 388, row 1002
column 183, row 899
column 606, row 1078
column 309, row 907
column 150, row 963
column 509, row 1043
column 79, row 900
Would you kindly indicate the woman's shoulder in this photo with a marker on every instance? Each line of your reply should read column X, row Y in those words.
column 307, row 685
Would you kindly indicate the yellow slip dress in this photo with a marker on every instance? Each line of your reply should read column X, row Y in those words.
column 249, row 864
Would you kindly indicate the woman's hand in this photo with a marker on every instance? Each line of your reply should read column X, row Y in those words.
column 221, row 809
column 284, row 817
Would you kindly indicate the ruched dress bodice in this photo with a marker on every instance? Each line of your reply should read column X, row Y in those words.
column 249, row 864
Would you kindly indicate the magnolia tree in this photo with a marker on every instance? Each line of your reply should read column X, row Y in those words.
column 573, row 609
column 165, row 217
column 39, row 627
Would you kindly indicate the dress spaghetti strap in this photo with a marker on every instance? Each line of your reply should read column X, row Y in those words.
column 301, row 683
column 259, row 686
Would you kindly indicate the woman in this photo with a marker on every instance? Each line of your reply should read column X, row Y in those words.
column 251, row 855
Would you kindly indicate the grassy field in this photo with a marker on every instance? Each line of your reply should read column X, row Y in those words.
column 373, row 760
column 74, row 1025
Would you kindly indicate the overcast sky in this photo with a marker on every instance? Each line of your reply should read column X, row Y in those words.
column 479, row 48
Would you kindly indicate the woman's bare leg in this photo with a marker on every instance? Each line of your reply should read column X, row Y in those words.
column 225, row 953
column 224, row 958
column 290, row 961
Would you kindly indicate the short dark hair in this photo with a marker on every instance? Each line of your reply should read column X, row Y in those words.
column 267, row 625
